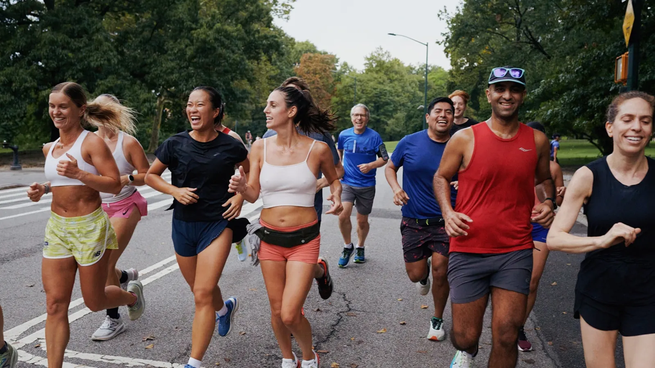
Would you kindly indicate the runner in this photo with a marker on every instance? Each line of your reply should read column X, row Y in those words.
column 615, row 291
column 460, row 101
column 554, row 147
column 8, row 355
column 539, row 233
column 284, row 169
column 201, row 161
column 124, row 210
column 78, row 166
column 498, row 163
column 422, row 227
column 359, row 148
column 321, row 271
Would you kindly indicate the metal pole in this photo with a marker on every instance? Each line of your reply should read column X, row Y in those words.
column 425, row 91
column 633, row 49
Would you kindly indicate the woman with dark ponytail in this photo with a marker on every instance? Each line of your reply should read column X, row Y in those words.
column 284, row 170
column 78, row 167
column 201, row 161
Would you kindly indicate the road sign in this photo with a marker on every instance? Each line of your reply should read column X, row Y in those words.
column 628, row 22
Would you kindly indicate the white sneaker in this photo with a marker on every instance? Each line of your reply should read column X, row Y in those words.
column 462, row 359
column 132, row 275
column 109, row 329
column 423, row 286
column 291, row 363
column 436, row 332
column 311, row 363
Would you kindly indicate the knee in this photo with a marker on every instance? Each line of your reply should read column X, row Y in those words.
column 440, row 275
column 463, row 339
column 415, row 275
column 57, row 306
column 290, row 317
column 344, row 217
column 362, row 222
column 506, row 334
column 203, row 296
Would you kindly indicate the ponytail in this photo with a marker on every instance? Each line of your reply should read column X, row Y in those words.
column 309, row 118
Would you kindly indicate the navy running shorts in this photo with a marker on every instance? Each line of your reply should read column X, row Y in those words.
column 191, row 238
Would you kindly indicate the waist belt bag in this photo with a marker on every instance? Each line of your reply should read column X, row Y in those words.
column 289, row 239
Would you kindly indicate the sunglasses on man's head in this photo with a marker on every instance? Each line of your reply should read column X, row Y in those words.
column 513, row 72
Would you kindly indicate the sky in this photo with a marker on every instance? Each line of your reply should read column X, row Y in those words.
column 353, row 29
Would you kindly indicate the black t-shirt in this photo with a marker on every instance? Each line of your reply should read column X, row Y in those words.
column 620, row 274
column 469, row 123
column 207, row 166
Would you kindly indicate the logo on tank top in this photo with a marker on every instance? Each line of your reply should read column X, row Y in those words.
column 525, row 149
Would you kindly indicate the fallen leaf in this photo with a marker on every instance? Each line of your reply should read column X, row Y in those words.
column 150, row 346
column 148, row 338
column 422, row 351
column 242, row 333
column 317, row 310
column 529, row 361
column 217, row 364
column 37, row 345
column 227, row 359
column 322, row 351
column 563, row 312
column 382, row 330
column 253, row 289
column 352, row 339
column 538, row 328
column 351, row 314
column 554, row 284
column 354, row 365
column 568, row 264
column 424, row 306
column 550, row 343
column 400, row 299
column 30, row 285
column 402, row 323
column 334, row 365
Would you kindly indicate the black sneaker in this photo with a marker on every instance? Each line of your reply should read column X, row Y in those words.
column 324, row 283
column 359, row 255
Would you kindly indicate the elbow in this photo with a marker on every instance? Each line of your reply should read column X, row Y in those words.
column 116, row 187
column 146, row 179
column 552, row 241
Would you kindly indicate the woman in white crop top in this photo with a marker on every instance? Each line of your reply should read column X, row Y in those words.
column 78, row 166
column 124, row 209
column 284, row 169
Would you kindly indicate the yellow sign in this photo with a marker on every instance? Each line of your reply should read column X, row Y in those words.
column 628, row 22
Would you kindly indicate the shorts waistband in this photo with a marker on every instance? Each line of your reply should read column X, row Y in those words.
column 78, row 220
column 287, row 229
column 436, row 221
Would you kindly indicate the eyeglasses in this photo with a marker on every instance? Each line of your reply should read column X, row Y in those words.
column 358, row 115
column 514, row 72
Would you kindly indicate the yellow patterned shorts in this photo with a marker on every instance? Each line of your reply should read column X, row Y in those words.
column 85, row 237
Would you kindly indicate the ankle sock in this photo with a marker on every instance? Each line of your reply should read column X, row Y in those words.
column 4, row 348
column 113, row 313
column 359, row 247
column 124, row 277
column 348, row 246
column 223, row 311
column 195, row 363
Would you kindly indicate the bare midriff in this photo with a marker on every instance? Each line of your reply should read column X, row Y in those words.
column 74, row 200
column 288, row 216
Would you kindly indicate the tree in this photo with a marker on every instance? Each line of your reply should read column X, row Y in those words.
column 318, row 71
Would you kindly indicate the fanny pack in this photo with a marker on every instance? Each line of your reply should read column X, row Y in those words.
column 289, row 239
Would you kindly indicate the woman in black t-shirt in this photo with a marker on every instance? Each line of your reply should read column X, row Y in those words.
column 615, row 291
column 202, row 161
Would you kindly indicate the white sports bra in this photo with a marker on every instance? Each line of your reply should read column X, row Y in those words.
column 51, row 162
column 124, row 168
column 287, row 185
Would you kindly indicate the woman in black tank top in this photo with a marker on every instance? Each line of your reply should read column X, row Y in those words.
column 615, row 291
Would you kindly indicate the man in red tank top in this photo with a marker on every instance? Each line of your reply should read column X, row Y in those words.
column 498, row 163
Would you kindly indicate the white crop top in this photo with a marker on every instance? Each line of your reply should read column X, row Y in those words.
column 124, row 168
column 287, row 185
column 51, row 162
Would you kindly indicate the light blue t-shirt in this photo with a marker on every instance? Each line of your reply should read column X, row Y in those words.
column 359, row 149
column 420, row 157
column 553, row 144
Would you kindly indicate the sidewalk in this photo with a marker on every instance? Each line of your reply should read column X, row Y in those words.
column 20, row 178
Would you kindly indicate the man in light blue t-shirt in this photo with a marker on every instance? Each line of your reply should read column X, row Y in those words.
column 362, row 152
column 424, row 236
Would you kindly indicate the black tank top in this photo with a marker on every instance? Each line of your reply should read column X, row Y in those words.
column 620, row 274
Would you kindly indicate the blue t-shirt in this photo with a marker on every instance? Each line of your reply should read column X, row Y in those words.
column 553, row 144
column 420, row 156
column 359, row 149
column 321, row 137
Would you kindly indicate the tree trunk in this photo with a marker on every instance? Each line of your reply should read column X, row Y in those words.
column 156, row 124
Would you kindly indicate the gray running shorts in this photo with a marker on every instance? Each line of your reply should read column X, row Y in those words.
column 471, row 276
column 361, row 197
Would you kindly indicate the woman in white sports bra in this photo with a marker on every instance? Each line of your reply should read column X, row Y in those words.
column 78, row 167
column 284, row 169
column 124, row 209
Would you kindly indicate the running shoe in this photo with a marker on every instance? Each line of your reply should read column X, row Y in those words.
column 132, row 275
column 109, row 329
column 345, row 257
column 324, row 283
column 359, row 255
column 423, row 286
column 291, row 363
column 462, row 359
column 524, row 344
column 311, row 363
column 436, row 332
column 9, row 358
column 136, row 310
column 225, row 322
column 189, row 366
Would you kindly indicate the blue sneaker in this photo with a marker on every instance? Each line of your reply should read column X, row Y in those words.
column 188, row 366
column 225, row 322
column 345, row 257
column 359, row 255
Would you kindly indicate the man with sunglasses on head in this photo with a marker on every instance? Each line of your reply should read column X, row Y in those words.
column 498, row 162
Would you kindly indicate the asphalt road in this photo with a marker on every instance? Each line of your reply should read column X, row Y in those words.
column 374, row 318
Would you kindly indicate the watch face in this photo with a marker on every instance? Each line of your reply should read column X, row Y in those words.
column 130, row 177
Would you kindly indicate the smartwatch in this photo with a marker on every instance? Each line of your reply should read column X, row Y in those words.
column 130, row 178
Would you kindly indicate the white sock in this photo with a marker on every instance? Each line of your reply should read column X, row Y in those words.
column 357, row 246
column 223, row 311
column 348, row 246
column 195, row 363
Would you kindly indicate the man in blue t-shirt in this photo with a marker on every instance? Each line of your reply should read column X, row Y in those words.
column 362, row 152
column 422, row 227
column 554, row 147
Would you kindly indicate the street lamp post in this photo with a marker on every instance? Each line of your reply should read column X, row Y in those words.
column 425, row 90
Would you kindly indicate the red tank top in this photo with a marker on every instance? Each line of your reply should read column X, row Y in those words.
column 496, row 190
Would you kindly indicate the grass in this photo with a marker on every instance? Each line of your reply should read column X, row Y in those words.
column 573, row 152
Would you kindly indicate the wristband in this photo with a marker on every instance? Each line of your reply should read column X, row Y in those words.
column 46, row 188
column 552, row 200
